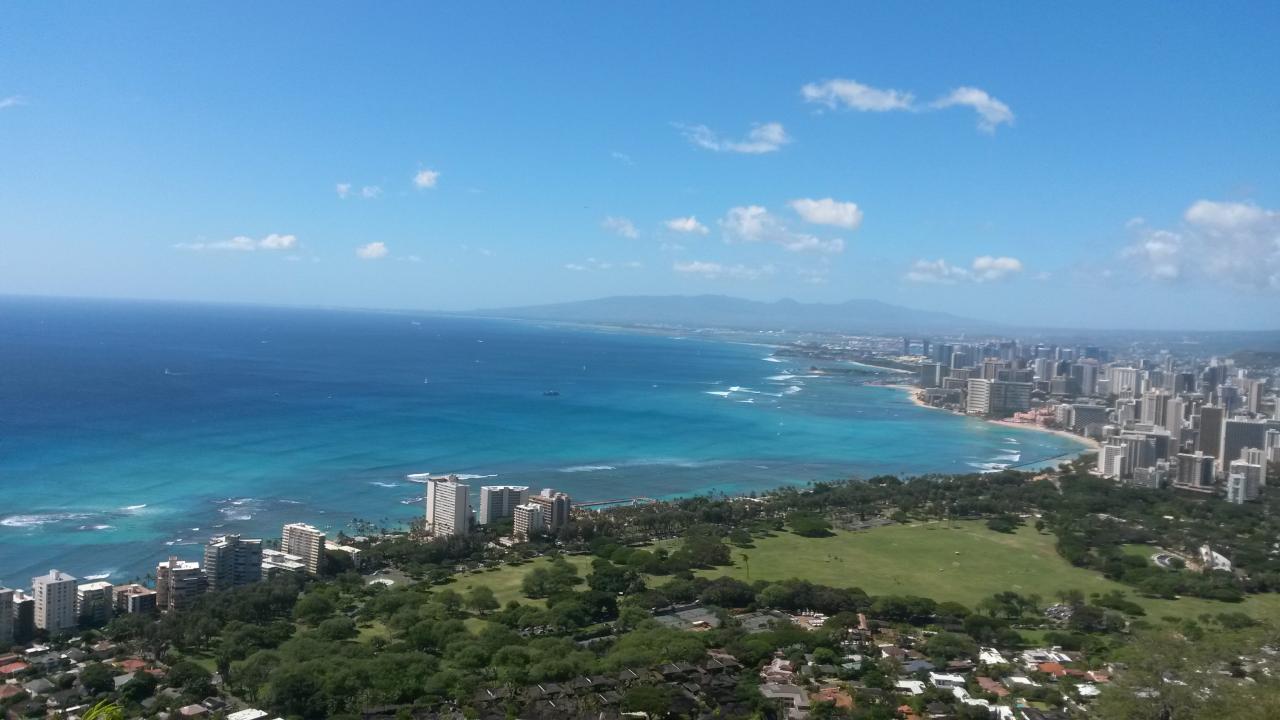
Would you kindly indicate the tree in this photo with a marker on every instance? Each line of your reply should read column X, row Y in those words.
column 189, row 677
column 104, row 710
column 809, row 524
column 337, row 628
column 654, row 701
column 96, row 678
column 482, row 600
column 313, row 607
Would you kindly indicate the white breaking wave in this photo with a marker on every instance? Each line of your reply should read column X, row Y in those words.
column 99, row 576
column 988, row 467
column 772, row 359
column 793, row 390
column 132, row 508
column 464, row 476
column 587, row 468
column 719, row 393
column 781, row 378
column 1013, row 457
column 379, row 483
column 95, row 527
column 36, row 520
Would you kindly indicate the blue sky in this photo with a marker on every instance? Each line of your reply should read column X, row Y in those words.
column 1111, row 165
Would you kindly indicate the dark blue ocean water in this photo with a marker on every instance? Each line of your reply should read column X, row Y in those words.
column 129, row 431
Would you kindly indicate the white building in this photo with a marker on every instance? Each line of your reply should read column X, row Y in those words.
column 274, row 561
column 527, row 519
column 305, row 541
column 448, row 509
column 95, row 601
column 179, row 583
column 500, row 501
column 1111, row 460
column 55, row 595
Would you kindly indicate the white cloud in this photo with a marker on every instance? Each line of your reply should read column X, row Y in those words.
column 991, row 112
column 620, row 226
column 1229, row 242
column 426, row 179
column 12, row 101
column 853, row 95
column 343, row 190
column 983, row 269
column 753, row 224
column 621, row 157
column 762, row 138
column 813, row 276
column 687, row 225
column 714, row 270
column 828, row 212
column 988, row 268
column 372, row 251
column 278, row 242
column 242, row 243
column 592, row 264
column 370, row 192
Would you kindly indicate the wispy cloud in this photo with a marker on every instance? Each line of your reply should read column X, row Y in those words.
column 372, row 251
column 755, row 224
column 426, row 179
column 12, row 101
column 594, row 265
column 622, row 157
column 343, row 190
column 715, row 270
column 370, row 192
column 243, row 243
column 688, row 225
column 760, row 139
column 620, row 226
column 828, row 212
column 853, row 95
column 983, row 269
column 991, row 112
column 846, row 94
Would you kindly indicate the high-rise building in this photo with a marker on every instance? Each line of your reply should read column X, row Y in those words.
column 500, row 501
column 555, row 508
column 231, row 561
column 1111, row 459
column 1125, row 381
column 1254, row 472
column 1241, row 488
column 1195, row 470
column 6, row 617
column 1211, row 425
column 95, row 602
column 135, row 599
column 526, row 520
column 930, row 375
column 24, row 617
column 1083, row 416
column 448, row 507
column 1241, row 433
column 179, row 583
column 275, row 561
column 306, row 542
column 978, row 397
column 55, row 595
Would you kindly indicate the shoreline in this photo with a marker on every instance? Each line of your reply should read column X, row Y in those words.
column 1089, row 444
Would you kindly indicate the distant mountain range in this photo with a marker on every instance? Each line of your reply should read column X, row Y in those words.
column 721, row 311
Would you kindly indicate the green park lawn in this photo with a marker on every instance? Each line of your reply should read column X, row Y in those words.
column 505, row 581
column 961, row 561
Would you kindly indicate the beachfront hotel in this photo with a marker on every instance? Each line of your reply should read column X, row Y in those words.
column 55, row 595
column 448, row 506
column 526, row 520
column 95, row 602
column 179, row 583
column 231, row 561
column 500, row 501
column 306, row 542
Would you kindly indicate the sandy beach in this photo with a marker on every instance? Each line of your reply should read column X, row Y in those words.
column 1090, row 443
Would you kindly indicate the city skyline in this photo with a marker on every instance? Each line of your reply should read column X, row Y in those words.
column 1072, row 174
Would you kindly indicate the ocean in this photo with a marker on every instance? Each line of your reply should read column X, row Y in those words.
column 130, row 431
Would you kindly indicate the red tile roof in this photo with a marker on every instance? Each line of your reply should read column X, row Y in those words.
column 13, row 668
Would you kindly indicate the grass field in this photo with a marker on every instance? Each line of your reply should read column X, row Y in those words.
column 505, row 581
column 962, row 561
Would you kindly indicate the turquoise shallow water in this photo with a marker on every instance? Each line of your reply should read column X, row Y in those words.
column 129, row 431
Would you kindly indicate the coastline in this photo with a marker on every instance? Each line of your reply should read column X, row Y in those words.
column 1089, row 444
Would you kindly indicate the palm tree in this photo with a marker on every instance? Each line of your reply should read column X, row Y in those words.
column 105, row 710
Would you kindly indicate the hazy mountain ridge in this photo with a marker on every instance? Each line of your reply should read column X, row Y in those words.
column 722, row 311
